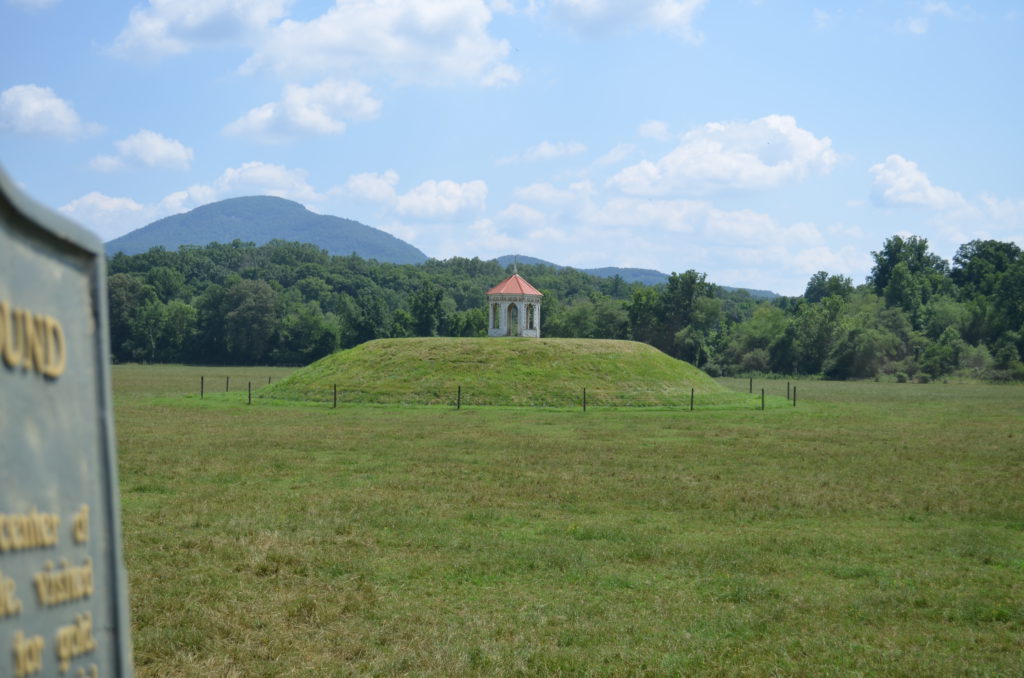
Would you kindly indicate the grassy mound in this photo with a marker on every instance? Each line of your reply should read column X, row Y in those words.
column 507, row 371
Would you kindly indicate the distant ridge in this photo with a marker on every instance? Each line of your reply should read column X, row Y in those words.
column 260, row 219
column 643, row 275
column 646, row 276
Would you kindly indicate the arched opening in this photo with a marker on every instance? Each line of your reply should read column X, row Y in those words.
column 513, row 320
column 495, row 316
column 530, row 317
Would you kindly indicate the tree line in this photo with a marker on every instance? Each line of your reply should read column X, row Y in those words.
column 916, row 316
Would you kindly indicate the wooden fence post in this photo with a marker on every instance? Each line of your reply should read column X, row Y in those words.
column 202, row 387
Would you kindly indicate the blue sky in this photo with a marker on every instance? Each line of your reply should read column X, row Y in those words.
column 756, row 141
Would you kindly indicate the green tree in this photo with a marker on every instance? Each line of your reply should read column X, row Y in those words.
column 815, row 328
column 943, row 356
column 822, row 285
column 178, row 332
column 127, row 297
column 978, row 265
column 859, row 353
column 426, row 310
column 147, row 330
column 643, row 313
column 914, row 253
column 251, row 323
column 307, row 334
column 167, row 282
column 610, row 318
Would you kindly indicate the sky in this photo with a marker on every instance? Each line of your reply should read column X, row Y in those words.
column 756, row 141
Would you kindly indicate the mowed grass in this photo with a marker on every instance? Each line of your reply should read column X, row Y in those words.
column 509, row 371
column 874, row 529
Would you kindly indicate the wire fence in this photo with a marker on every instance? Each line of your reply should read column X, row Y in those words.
column 459, row 397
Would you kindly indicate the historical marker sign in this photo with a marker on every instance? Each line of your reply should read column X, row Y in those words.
column 63, row 590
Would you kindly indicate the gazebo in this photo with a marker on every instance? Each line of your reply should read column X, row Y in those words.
column 513, row 308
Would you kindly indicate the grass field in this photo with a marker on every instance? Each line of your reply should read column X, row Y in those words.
column 874, row 529
column 517, row 372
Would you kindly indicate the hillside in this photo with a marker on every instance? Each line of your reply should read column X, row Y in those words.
column 647, row 276
column 260, row 219
column 548, row 372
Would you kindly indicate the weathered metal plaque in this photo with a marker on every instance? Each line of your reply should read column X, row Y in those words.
column 63, row 589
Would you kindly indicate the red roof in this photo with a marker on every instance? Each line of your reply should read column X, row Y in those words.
column 515, row 285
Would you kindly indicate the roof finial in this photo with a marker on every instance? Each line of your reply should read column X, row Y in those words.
column 515, row 265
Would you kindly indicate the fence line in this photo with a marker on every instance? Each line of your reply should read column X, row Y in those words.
column 791, row 396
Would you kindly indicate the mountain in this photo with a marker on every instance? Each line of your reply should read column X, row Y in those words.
column 646, row 276
column 260, row 219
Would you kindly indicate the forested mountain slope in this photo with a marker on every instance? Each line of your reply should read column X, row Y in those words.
column 260, row 219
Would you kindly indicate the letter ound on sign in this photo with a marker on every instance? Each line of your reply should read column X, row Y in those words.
column 63, row 588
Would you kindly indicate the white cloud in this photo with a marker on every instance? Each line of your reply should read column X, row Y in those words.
column 711, row 224
column 501, row 74
column 655, row 129
column 544, row 192
column 670, row 234
column 107, row 163
column 613, row 157
column 111, row 217
column 545, row 150
column 501, row 6
column 899, row 181
column 146, row 148
column 939, row 8
column 373, row 186
column 168, row 27
column 822, row 19
column 598, row 16
column 489, row 240
column 761, row 154
column 433, row 199
column 108, row 216
column 420, row 41
column 182, row 201
column 259, row 178
column 1004, row 211
column 523, row 214
column 919, row 25
column 681, row 216
column 31, row 109
column 847, row 260
column 321, row 109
